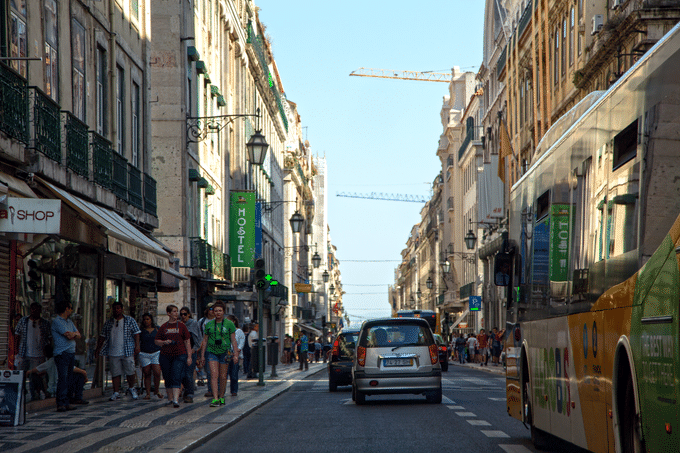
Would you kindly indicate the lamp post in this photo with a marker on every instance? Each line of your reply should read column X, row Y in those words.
column 296, row 222
column 325, row 276
column 257, row 148
column 316, row 260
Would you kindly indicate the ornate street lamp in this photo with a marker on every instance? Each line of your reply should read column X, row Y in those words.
column 257, row 148
column 332, row 288
column 325, row 276
column 446, row 267
column 316, row 260
column 470, row 240
column 296, row 222
column 428, row 283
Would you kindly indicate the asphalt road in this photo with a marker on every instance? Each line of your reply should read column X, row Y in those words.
column 309, row 418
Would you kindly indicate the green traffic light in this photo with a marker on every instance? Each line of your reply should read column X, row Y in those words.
column 268, row 277
column 273, row 283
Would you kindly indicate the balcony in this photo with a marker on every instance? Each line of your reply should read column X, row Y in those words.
column 76, row 145
column 150, row 195
column 208, row 258
column 102, row 160
column 134, row 189
column 46, row 125
column 119, row 176
column 14, row 102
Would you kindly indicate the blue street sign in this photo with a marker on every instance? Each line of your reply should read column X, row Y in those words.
column 475, row 303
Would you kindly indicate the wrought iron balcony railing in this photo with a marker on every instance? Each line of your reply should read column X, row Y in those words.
column 101, row 160
column 13, row 104
column 119, row 177
column 76, row 144
column 150, row 203
column 46, row 125
column 134, row 189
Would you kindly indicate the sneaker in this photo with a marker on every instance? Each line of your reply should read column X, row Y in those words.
column 115, row 396
column 222, row 401
column 159, row 396
column 215, row 403
column 188, row 399
column 133, row 392
column 175, row 404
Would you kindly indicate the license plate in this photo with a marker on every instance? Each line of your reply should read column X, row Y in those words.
column 397, row 362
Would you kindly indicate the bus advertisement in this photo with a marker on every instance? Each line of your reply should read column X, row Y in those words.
column 593, row 252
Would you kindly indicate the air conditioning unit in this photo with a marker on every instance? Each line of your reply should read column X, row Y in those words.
column 598, row 22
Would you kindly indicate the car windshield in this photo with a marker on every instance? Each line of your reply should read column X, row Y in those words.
column 384, row 336
column 346, row 343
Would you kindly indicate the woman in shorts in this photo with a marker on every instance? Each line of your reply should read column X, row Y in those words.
column 148, row 356
column 175, row 341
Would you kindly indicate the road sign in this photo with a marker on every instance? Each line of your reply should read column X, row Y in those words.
column 475, row 303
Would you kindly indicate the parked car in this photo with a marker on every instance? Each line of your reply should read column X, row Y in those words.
column 396, row 356
column 341, row 358
column 443, row 352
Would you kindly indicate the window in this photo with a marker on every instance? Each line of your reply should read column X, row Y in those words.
column 101, row 92
column 625, row 145
column 564, row 47
column 51, row 68
column 556, row 61
column 78, row 51
column 134, row 9
column 120, row 110
column 18, row 39
column 135, row 125
column 571, row 37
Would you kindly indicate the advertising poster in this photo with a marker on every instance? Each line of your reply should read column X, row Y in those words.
column 11, row 398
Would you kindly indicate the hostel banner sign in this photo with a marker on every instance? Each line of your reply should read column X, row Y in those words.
column 242, row 229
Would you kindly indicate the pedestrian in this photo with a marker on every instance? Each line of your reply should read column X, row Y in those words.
column 119, row 340
column 496, row 338
column 317, row 350
column 245, row 352
column 34, row 335
column 49, row 369
column 65, row 334
column 472, row 347
column 175, row 341
column 311, row 348
column 233, row 365
column 287, row 345
column 483, row 340
column 303, row 350
column 220, row 334
column 196, row 338
column 460, row 347
column 207, row 316
column 253, row 338
column 149, row 355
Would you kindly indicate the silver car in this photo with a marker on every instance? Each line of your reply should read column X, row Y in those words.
column 396, row 355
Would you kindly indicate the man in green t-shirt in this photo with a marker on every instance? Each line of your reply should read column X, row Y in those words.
column 217, row 340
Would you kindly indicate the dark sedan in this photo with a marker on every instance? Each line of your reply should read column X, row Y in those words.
column 341, row 358
column 443, row 349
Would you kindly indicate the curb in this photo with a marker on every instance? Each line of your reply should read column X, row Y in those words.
column 198, row 442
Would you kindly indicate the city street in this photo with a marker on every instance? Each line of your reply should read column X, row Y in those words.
column 309, row 418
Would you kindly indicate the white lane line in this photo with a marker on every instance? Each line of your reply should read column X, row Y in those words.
column 466, row 414
column 497, row 399
column 446, row 400
column 479, row 423
column 509, row 448
column 494, row 433
column 458, row 408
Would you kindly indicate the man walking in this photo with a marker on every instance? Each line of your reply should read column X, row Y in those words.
column 196, row 338
column 65, row 335
column 254, row 353
column 304, row 348
column 119, row 341
column 34, row 336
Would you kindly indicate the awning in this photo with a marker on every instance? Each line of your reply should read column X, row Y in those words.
column 15, row 186
column 309, row 328
column 176, row 274
column 123, row 238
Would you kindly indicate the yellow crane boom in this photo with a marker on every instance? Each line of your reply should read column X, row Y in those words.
column 403, row 75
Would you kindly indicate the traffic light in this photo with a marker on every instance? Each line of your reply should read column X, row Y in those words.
column 260, row 274
column 34, row 275
column 323, row 321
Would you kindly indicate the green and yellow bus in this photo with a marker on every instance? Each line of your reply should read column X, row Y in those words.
column 593, row 306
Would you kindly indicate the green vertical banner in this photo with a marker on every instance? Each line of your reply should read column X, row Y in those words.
column 242, row 229
column 560, row 230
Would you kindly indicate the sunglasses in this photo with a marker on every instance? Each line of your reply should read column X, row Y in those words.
column 184, row 314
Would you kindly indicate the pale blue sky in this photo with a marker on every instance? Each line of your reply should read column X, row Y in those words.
column 378, row 135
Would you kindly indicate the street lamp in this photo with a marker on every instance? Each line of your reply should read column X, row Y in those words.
column 316, row 260
column 296, row 222
column 257, row 148
column 446, row 267
column 325, row 276
column 470, row 240
column 428, row 283
column 332, row 288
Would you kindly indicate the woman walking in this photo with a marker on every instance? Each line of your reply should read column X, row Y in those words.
column 233, row 364
column 149, row 355
column 218, row 338
column 175, row 340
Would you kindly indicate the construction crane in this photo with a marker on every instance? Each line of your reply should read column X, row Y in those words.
column 386, row 196
column 425, row 76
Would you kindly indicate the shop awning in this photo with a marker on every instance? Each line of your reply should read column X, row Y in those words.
column 309, row 328
column 123, row 238
column 15, row 186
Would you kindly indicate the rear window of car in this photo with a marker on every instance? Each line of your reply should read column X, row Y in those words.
column 347, row 343
column 383, row 336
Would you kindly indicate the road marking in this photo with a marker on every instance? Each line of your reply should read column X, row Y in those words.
column 515, row 448
column 497, row 399
column 458, row 408
column 465, row 414
column 494, row 433
column 479, row 423
column 446, row 400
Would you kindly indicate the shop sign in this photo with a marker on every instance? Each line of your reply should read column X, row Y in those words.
column 30, row 215
column 303, row 288
column 242, row 229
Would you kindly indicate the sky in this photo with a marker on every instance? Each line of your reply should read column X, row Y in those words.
column 378, row 135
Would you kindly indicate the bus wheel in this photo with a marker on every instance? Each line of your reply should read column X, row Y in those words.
column 538, row 437
column 631, row 440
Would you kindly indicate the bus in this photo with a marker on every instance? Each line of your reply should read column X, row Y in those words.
column 429, row 315
column 593, row 250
